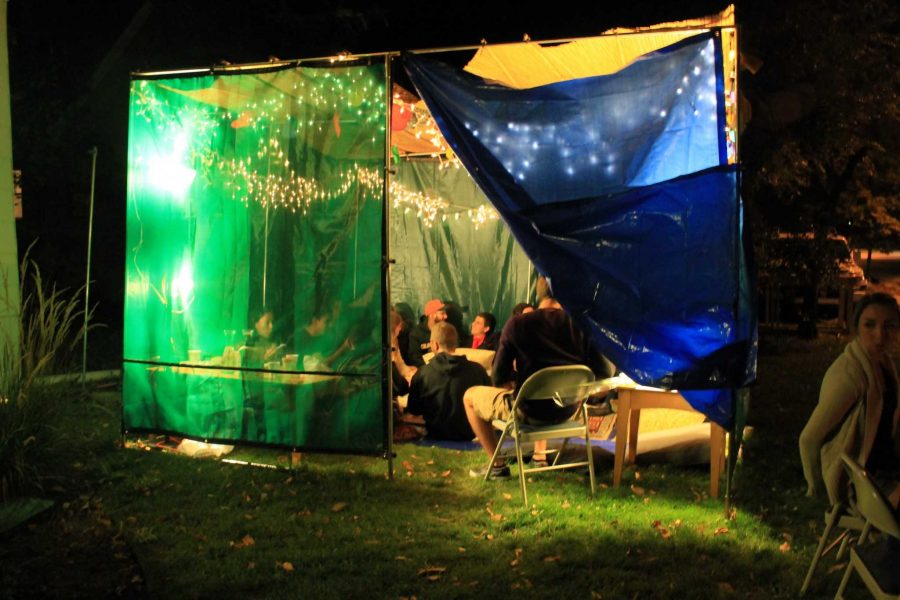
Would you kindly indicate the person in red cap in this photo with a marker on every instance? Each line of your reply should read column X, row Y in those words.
column 420, row 336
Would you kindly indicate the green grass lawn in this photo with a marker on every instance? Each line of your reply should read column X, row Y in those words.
column 138, row 523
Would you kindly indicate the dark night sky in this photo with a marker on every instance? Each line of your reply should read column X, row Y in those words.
column 70, row 65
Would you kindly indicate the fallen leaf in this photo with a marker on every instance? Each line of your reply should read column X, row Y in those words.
column 566, row 504
column 507, row 496
column 287, row 566
column 251, row 565
column 726, row 588
column 461, row 549
column 720, row 531
column 446, row 473
column 407, row 465
column 338, row 506
column 515, row 562
column 785, row 547
column 245, row 541
column 399, row 558
column 494, row 516
column 430, row 572
column 638, row 491
column 550, row 559
column 430, row 462
column 663, row 531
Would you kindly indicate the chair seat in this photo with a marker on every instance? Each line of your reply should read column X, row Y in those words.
column 564, row 387
column 544, row 432
column 880, row 560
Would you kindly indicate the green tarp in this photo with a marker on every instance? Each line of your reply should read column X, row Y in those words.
column 253, row 261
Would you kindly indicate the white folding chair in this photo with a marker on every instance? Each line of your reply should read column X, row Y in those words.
column 566, row 386
column 876, row 562
column 844, row 517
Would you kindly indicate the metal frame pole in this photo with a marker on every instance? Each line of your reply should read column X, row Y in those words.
column 733, row 438
column 87, row 275
column 386, row 333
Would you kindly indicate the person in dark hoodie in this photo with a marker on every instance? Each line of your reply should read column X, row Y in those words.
column 437, row 389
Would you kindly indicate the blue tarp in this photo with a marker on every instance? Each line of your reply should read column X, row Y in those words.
column 618, row 189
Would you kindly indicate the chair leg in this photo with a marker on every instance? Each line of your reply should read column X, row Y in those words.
column 521, row 460
column 846, row 542
column 590, row 453
column 846, row 579
column 560, row 451
column 487, row 471
column 832, row 518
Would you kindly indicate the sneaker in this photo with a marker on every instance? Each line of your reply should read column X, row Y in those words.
column 495, row 472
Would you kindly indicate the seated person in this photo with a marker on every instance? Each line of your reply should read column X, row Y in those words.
column 420, row 336
column 858, row 410
column 437, row 389
column 543, row 338
column 259, row 349
column 484, row 334
column 408, row 318
column 455, row 317
column 311, row 340
column 522, row 308
column 259, row 346
column 401, row 373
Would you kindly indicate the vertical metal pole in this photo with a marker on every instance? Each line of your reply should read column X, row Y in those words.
column 265, row 255
column 87, row 275
column 736, row 395
column 386, row 269
column 729, row 467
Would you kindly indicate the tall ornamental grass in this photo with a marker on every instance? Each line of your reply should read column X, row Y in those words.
column 51, row 323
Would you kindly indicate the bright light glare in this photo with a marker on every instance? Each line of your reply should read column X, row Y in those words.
column 183, row 285
column 169, row 175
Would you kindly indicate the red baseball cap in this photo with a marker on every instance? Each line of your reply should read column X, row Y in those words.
column 433, row 306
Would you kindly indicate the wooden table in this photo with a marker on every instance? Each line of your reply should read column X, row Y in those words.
column 631, row 401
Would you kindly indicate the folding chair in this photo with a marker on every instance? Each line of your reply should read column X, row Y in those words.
column 843, row 516
column 566, row 386
column 876, row 562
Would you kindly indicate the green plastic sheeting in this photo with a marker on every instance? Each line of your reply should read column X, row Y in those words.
column 254, row 258
column 448, row 242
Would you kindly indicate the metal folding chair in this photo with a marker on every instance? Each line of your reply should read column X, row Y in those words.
column 843, row 516
column 566, row 386
column 876, row 562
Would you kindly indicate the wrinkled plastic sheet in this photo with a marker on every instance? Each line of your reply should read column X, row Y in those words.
column 246, row 194
column 617, row 188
